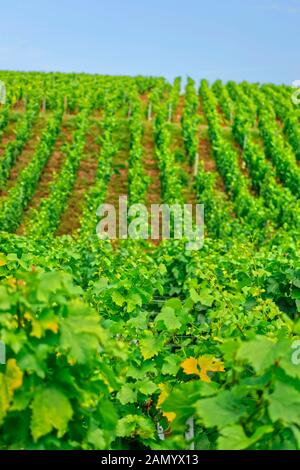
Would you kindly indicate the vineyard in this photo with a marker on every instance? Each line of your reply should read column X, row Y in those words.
column 142, row 344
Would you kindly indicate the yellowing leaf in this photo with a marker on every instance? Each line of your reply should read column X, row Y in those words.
column 14, row 375
column 52, row 326
column 4, row 398
column 27, row 316
column 51, row 409
column 105, row 380
column 72, row 362
column 170, row 415
column 118, row 298
column 12, row 282
column 190, row 366
column 209, row 364
column 39, row 326
column 37, row 330
column 164, row 392
column 2, row 260
column 10, row 381
column 202, row 366
column 150, row 346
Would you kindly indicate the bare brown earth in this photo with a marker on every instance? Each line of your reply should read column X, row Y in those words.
column 223, row 120
column 118, row 184
column 149, row 158
column 51, row 169
column 70, row 220
column 151, row 166
column 179, row 109
column 189, row 193
column 201, row 114
column 177, row 139
column 257, row 139
column 153, row 195
column 7, row 136
column 20, row 106
column 144, row 99
column 8, row 133
column 242, row 164
column 227, row 132
column 28, row 152
column 177, row 144
column 206, row 155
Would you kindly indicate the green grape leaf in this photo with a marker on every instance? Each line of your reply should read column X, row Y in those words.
column 51, row 409
column 127, row 394
column 150, row 346
column 171, row 365
column 147, row 387
column 4, row 299
column 262, row 352
column 221, row 410
column 168, row 317
column 284, row 404
column 234, row 437
column 118, row 298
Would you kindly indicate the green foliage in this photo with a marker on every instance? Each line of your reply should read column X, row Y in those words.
column 107, row 341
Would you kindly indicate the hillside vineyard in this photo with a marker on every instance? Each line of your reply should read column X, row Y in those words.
column 141, row 343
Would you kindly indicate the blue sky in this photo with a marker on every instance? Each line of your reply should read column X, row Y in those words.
column 255, row 40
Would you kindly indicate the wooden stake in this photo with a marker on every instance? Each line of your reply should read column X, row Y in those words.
column 65, row 103
column 190, row 433
column 160, row 432
column 2, row 93
column 44, row 105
